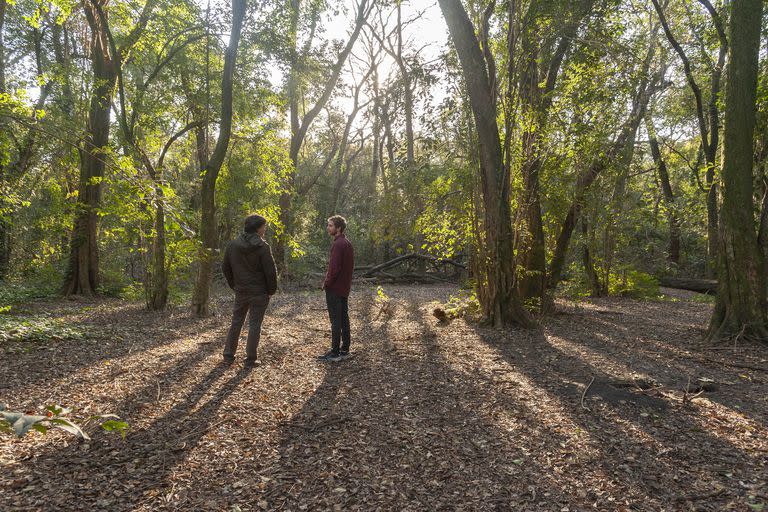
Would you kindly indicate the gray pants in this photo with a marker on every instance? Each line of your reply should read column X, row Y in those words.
column 254, row 306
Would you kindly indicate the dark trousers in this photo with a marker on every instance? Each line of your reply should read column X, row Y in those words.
column 338, row 311
column 254, row 306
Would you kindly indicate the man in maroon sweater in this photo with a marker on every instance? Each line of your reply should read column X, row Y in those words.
column 337, row 284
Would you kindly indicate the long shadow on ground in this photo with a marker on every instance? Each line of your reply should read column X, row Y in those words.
column 652, row 449
column 422, row 417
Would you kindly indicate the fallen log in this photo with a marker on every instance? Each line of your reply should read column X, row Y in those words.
column 406, row 257
column 695, row 285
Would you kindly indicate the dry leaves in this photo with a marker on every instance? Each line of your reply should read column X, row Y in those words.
column 424, row 416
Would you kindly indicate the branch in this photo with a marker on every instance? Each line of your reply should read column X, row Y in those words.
column 135, row 33
column 311, row 183
column 688, row 73
column 487, row 53
column 173, row 139
column 363, row 12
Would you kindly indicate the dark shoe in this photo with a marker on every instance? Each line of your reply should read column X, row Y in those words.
column 343, row 354
column 251, row 363
column 229, row 359
column 330, row 356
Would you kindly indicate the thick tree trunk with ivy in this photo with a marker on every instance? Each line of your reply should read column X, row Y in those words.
column 5, row 231
column 209, row 240
column 502, row 304
column 740, row 309
column 83, row 271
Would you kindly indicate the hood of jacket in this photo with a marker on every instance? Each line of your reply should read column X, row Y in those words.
column 252, row 240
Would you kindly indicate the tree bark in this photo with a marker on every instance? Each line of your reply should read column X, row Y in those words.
column 596, row 287
column 207, row 255
column 694, row 285
column 83, row 273
column 158, row 292
column 741, row 297
column 407, row 90
column 502, row 304
column 5, row 228
column 543, row 61
column 3, row 6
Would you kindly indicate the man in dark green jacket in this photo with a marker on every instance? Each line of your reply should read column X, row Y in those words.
column 250, row 271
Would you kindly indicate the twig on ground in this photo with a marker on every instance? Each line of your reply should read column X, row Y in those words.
column 687, row 392
column 584, row 394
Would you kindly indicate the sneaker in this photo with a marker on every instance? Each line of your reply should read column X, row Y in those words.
column 228, row 360
column 343, row 354
column 330, row 356
column 250, row 363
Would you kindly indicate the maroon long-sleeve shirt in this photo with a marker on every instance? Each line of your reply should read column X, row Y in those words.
column 338, row 279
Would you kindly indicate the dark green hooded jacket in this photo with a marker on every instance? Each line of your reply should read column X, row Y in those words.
column 248, row 265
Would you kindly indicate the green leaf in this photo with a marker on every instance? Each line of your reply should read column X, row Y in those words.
column 21, row 423
column 70, row 427
column 40, row 428
column 112, row 425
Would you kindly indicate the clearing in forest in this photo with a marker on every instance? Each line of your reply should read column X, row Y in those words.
column 424, row 416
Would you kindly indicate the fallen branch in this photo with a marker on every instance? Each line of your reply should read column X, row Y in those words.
column 406, row 257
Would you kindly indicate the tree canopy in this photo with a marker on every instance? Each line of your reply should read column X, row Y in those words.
column 587, row 147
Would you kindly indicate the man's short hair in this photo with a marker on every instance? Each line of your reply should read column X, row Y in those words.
column 253, row 223
column 338, row 221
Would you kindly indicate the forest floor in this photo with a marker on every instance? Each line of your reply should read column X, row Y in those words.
column 424, row 416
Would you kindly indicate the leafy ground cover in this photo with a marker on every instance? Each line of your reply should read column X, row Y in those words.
column 614, row 404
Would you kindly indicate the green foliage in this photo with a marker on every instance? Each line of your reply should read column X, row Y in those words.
column 13, row 293
column 446, row 220
column 633, row 283
column 55, row 417
column 40, row 329
column 381, row 296
column 465, row 304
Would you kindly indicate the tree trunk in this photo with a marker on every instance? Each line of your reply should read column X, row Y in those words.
column 741, row 297
column 83, row 272
column 537, row 85
column 158, row 294
column 201, row 159
column 5, row 227
column 210, row 173
column 3, row 6
column 502, row 305
column 531, row 238
column 10, row 175
column 694, row 285
column 595, row 286
column 407, row 90
column 666, row 189
column 376, row 157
